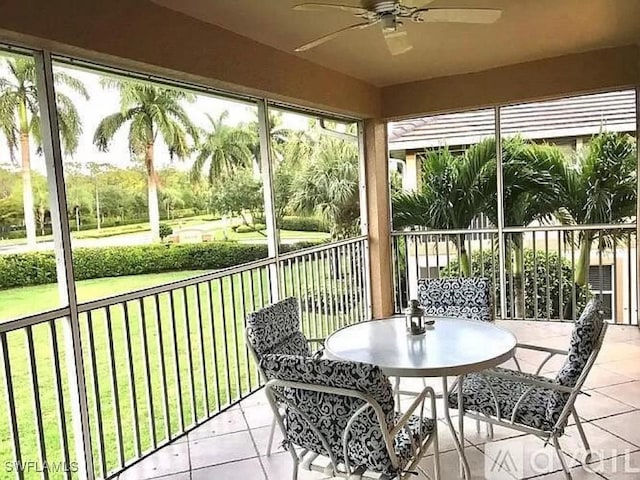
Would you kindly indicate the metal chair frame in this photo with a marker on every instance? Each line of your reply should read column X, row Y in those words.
column 256, row 358
column 306, row 458
column 569, row 409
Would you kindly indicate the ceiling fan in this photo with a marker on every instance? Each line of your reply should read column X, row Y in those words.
column 390, row 14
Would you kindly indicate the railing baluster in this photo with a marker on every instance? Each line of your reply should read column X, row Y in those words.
column 614, row 270
column 255, row 373
column 226, row 339
column 187, row 334
column 304, row 297
column 350, row 284
column 214, row 344
column 114, row 387
column 176, row 358
column 37, row 408
column 243, row 319
column 147, row 372
column 574, row 292
column 234, row 330
column 560, row 277
column 11, row 405
column 163, row 374
column 96, row 392
column 630, row 289
column 201, row 347
column 548, row 286
column 535, row 278
column 315, row 286
column 328, row 291
column 132, row 380
column 395, row 266
column 62, row 419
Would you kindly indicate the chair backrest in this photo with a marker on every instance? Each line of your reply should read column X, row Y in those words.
column 317, row 420
column 586, row 340
column 276, row 329
column 467, row 297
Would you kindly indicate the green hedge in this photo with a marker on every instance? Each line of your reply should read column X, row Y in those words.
column 541, row 296
column 36, row 268
column 256, row 227
column 303, row 224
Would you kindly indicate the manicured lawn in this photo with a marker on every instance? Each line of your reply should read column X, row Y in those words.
column 186, row 347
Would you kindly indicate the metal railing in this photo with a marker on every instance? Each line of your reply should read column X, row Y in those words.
column 545, row 278
column 158, row 362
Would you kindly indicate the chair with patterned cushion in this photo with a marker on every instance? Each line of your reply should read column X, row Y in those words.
column 462, row 297
column 276, row 329
column 342, row 416
column 530, row 402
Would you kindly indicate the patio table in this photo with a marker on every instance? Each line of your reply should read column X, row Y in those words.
column 452, row 346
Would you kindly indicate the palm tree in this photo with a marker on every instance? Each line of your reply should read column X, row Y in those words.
column 457, row 189
column 599, row 188
column 453, row 193
column 149, row 110
column 20, row 122
column 530, row 193
column 225, row 148
column 329, row 185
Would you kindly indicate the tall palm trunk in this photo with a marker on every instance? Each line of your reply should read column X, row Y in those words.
column 465, row 264
column 584, row 259
column 152, row 179
column 98, row 219
column 27, row 192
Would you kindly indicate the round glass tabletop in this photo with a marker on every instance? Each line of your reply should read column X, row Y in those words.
column 451, row 346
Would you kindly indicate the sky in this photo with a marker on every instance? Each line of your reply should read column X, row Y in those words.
column 104, row 101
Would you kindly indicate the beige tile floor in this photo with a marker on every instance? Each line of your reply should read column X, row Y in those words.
column 233, row 444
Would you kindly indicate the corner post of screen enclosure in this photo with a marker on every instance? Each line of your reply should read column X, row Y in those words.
column 64, row 266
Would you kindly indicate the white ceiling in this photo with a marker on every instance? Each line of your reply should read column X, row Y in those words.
column 528, row 30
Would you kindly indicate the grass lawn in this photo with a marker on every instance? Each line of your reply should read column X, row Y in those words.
column 187, row 347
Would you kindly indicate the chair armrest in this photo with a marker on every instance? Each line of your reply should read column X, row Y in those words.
column 551, row 352
column 418, row 402
column 534, row 382
column 555, row 351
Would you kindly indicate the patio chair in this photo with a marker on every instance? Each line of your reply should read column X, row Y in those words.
column 276, row 329
column 532, row 403
column 460, row 297
column 344, row 412
column 466, row 297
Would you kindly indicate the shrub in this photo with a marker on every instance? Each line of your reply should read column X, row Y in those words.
column 36, row 268
column 541, row 297
column 250, row 228
column 303, row 224
column 165, row 230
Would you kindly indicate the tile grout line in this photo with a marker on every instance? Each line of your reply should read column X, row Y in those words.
column 255, row 445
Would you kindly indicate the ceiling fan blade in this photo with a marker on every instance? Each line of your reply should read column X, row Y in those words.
column 398, row 42
column 459, row 15
column 415, row 3
column 330, row 36
column 314, row 7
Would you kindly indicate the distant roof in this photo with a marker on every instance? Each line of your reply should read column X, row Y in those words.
column 567, row 117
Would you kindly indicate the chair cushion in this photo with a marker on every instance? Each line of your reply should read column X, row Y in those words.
column 276, row 329
column 541, row 407
column 478, row 397
column 457, row 297
column 406, row 443
column 584, row 338
column 330, row 413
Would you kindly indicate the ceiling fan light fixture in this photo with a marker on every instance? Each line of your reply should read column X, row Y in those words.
column 389, row 23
